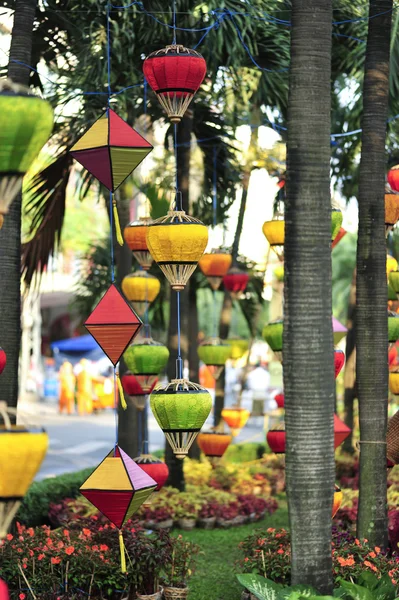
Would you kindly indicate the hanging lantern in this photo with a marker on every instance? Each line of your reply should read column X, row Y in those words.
column 391, row 264
column 341, row 233
column 4, row 595
column 176, row 243
column 238, row 347
column 394, row 282
column 235, row 281
column 393, row 439
column 141, row 289
column 339, row 361
column 214, row 353
column 339, row 331
column 26, row 122
column 134, row 391
column 3, row 360
column 391, row 211
column 214, row 266
column 235, row 417
column 214, row 443
column 336, row 222
column 393, row 178
column 274, row 233
column 391, row 294
column 117, row 488
column 273, row 335
column 180, row 408
column 22, row 450
column 155, row 468
column 338, row 496
column 279, row 398
column 135, row 235
column 175, row 73
column 113, row 324
column 394, row 382
column 393, row 327
column 110, row 150
column 276, row 437
column 146, row 359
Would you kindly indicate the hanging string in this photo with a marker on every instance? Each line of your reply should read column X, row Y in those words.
column 214, row 207
column 145, row 416
column 174, row 23
column 179, row 362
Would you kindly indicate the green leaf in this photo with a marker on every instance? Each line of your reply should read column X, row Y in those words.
column 262, row 588
column 356, row 592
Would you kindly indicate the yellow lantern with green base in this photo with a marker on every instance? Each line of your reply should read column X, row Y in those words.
column 275, row 235
column 180, row 408
column 177, row 242
column 214, row 353
column 22, row 450
column 141, row 289
column 26, row 122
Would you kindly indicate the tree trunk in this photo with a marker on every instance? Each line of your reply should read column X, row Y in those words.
column 371, row 283
column 350, row 392
column 10, row 235
column 309, row 385
column 184, row 129
column 128, row 426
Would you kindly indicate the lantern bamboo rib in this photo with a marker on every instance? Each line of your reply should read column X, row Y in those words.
column 175, row 104
column 181, row 441
column 144, row 258
column 177, row 274
column 9, row 188
column 7, row 514
column 181, row 385
column 174, row 216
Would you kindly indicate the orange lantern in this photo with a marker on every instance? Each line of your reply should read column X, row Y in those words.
column 214, row 266
column 391, row 211
column 341, row 233
column 214, row 443
column 338, row 495
column 135, row 237
column 235, row 417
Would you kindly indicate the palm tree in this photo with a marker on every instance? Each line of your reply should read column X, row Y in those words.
column 308, row 340
column 371, row 284
column 10, row 239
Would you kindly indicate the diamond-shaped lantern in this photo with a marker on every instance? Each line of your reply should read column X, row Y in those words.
column 110, row 150
column 113, row 324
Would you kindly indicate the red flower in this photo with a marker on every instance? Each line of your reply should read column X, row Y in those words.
column 95, row 548
column 55, row 560
column 66, row 533
column 40, row 557
column 280, row 551
column 30, row 531
column 60, row 545
column 22, row 596
column 104, row 547
column 70, row 550
column 246, row 559
column 86, row 531
column 9, row 537
column 49, row 542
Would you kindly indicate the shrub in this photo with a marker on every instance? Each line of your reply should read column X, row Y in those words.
column 35, row 506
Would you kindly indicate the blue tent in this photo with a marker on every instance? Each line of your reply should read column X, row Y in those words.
column 76, row 348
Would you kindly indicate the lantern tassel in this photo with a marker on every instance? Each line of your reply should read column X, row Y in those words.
column 117, row 224
column 121, row 394
column 122, row 551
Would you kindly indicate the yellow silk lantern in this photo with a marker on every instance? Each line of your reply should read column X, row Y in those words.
column 235, row 417
column 274, row 233
column 394, row 382
column 392, row 264
column 141, row 288
column 135, row 235
column 177, row 242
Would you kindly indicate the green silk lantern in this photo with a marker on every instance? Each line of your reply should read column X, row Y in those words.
column 180, row 408
column 273, row 334
column 146, row 359
column 26, row 122
column 391, row 293
column 336, row 222
column 393, row 327
column 214, row 353
column 393, row 278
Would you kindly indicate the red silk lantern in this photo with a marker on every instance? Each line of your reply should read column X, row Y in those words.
column 3, row 590
column 130, row 385
column 393, row 178
column 175, row 73
column 3, row 360
column 214, row 443
column 339, row 361
column 155, row 468
column 279, row 398
column 341, row 233
column 235, row 281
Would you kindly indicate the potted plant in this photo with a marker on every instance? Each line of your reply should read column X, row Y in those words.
column 207, row 514
column 157, row 516
column 187, row 509
column 227, row 515
column 179, row 569
column 148, row 556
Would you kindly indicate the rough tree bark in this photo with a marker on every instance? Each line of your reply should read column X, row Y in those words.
column 10, row 235
column 309, row 384
column 371, row 283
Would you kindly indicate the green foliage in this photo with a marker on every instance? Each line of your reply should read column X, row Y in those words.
column 35, row 506
column 265, row 589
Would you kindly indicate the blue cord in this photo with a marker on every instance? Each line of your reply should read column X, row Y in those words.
column 174, row 23
column 176, row 174
column 108, row 54
column 214, row 194
column 179, row 358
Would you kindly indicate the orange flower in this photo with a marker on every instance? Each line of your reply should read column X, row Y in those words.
column 40, row 557
column 104, row 547
column 357, row 542
column 9, row 537
column 377, row 549
column 69, row 550
column 341, row 561
column 369, row 564
column 280, row 551
column 66, row 533
column 55, row 560
column 86, row 531
column 246, row 559
column 270, row 530
column 372, row 554
column 49, row 542
column 30, row 531
column 95, row 548
column 350, row 562
column 60, row 545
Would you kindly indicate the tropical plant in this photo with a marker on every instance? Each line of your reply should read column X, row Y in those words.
column 181, row 567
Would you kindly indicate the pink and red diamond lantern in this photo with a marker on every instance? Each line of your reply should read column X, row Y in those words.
column 235, row 281
column 339, row 361
column 3, row 360
column 175, row 73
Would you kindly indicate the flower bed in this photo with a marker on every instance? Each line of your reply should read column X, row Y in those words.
column 268, row 554
column 204, row 507
column 83, row 560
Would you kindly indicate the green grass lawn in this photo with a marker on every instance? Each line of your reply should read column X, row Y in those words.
column 214, row 578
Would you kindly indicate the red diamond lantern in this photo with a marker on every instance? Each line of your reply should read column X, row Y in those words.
column 113, row 324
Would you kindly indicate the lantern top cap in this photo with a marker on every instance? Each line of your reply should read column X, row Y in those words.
column 141, row 273
column 176, row 217
column 214, row 341
column 140, row 222
column 8, row 86
column 173, row 50
column 177, row 386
